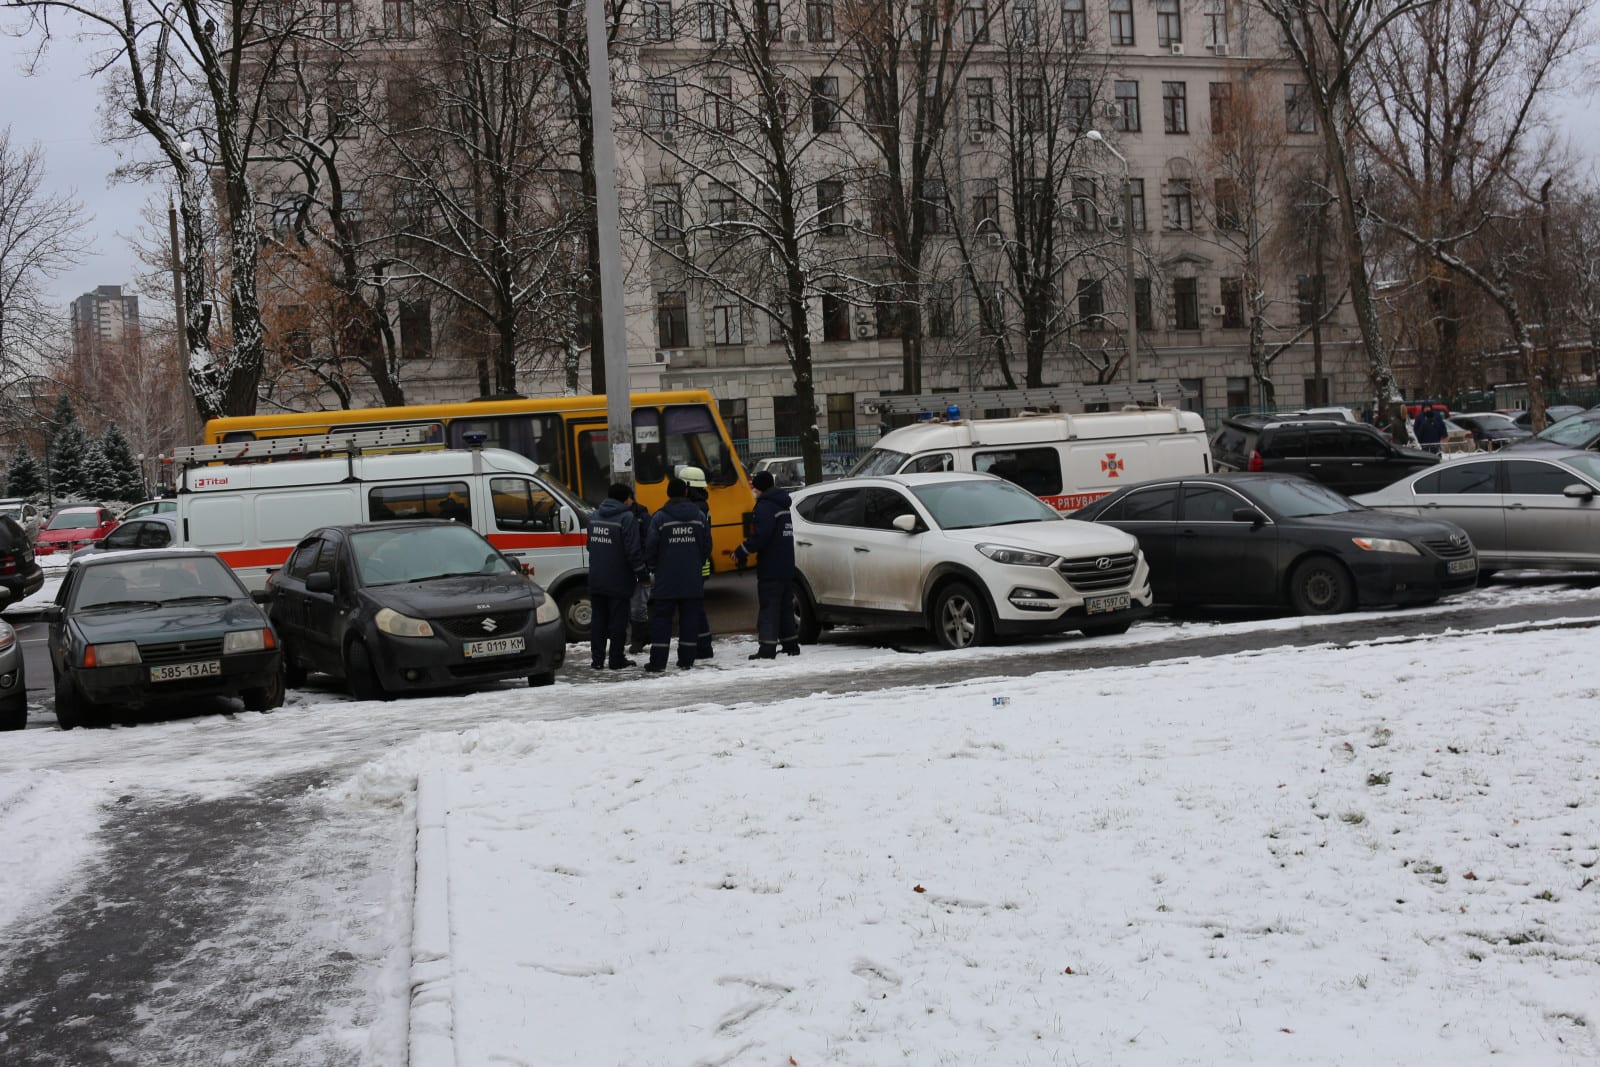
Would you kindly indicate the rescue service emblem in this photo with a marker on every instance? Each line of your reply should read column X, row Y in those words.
column 1112, row 466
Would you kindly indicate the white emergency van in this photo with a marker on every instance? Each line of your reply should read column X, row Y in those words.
column 1065, row 460
column 253, row 514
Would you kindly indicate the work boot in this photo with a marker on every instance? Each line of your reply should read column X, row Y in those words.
column 791, row 648
column 765, row 652
column 640, row 636
column 622, row 664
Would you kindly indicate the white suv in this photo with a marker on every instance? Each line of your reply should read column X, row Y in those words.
column 968, row 556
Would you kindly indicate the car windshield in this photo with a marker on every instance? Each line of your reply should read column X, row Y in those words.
column 1573, row 432
column 156, row 581
column 418, row 553
column 1494, row 422
column 1295, row 499
column 83, row 519
column 967, row 505
column 879, row 461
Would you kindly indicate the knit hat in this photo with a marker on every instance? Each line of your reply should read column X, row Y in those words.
column 762, row 481
column 620, row 492
column 677, row 487
column 693, row 477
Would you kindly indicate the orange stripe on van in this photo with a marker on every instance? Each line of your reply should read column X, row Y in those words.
column 549, row 540
column 257, row 557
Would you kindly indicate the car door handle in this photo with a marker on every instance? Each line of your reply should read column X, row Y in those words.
column 1190, row 533
column 1517, row 507
column 803, row 542
column 858, row 548
column 1314, row 466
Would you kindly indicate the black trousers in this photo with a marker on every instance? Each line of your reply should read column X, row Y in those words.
column 775, row 612
column 608, row 624
column 690, row 613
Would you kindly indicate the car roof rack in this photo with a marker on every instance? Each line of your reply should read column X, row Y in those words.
column 314, row 446
column 1065, row 397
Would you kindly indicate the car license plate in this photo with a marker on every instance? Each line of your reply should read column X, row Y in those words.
column 1462, row 566
column 173, row 672
column 1099, row 605
column 499, row 646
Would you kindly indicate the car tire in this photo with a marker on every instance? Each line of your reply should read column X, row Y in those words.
column 72, row 710
column 1105, row 629
column 1484, row 576
column 1321, row 586
column 807, row 628
column 576, row 612
column 538, row 681
column 360, row 675
column 961, row 618
column 294, row 672
column 14, row 716
column 268, row 697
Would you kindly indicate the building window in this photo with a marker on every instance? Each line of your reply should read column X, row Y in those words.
column 934, row 208
column 713, row 21
column 1091, row 304
column 771, row 19
column 1216, row 16
column 1121, row 27
column 280, row 106
column 1180, row 204
column 1175, row 107
column 841, row 413
column 819, row 20
column 887, row 310
column 1025, row 20
column 1233, row 303
column 339, row 18
column 1311, row 294
column 400, row 18
column 1085, row 204
column 1185, row 304
column 727, row 322
column 1127, row 106
column 722, row 206
column 786, row 416
column 719, row 103
column 1037, row 204
column 830, row 208
column 835, row 316
column 1300, row 115
column 343, row 108
column 661, row 104
column 1221, row 106
column 1079, row 100
column 1238, row 394
column 1196, row 390
column 980, row 104
column 666, row 205
column 1074, row 21
column 1227, row 204
column 658, row 20
column 736, row 417
column 672, row 320
column 825, row 104
column 941, row 313
column 1316, row 390
column 416, row 329
column 1169, row 25
column 975, row 21
column 1136, row 194
column 1030, row 103
column 1141, row 304
column 986, row 205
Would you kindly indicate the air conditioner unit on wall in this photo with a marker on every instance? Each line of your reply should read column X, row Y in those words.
column 1177, row 48
column 794, row 36
column 1220, row 49
column 863, row 331
column 1218, row 310
column 664, row 357
column 975, row 137
column 995, row 240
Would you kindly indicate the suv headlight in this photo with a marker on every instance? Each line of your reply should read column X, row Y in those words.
column 1020, row 556
column 547, row 611
column 392, row 622
column 1386, row 544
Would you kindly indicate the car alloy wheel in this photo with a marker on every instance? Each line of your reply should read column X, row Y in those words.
column 960, row 617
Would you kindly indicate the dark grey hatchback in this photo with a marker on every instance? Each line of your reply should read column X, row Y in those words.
column 397, row 606
column 142, row 626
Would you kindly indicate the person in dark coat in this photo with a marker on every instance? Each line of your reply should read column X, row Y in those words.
column 675, row 550
column 1429, row 428
column 695, row 479
column 639, row 604
column 616, row 567
column 771, row 541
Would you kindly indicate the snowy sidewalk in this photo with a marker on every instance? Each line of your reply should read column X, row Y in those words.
column 1296, row 856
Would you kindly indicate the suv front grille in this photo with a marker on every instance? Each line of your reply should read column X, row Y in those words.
column 181, row 651
column 1087, row 575
column 1445, row 550
column 471, row 627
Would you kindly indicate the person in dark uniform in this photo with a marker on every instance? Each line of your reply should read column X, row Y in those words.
column 771, row 541
column 639, row 604
column 695, row 479
column 616, row 567
column 675, row 550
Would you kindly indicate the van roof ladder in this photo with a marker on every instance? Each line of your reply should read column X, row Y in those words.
column 314, row 446
column 1069, row 398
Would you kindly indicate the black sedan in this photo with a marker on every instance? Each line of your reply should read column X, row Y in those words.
column 1234, row 539
column 412, row 605
column 139, row 627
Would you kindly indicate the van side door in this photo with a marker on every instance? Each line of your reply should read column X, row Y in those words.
column 526, row 523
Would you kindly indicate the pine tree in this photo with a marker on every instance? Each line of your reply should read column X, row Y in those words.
column 129, row 478
column 69, row 447
column 100, row 481
column 24, row 476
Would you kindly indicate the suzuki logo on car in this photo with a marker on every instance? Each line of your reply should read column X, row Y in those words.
column 490, row 626
column 1102, row 563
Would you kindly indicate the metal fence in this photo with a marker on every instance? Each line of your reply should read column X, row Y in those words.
column 840, row 448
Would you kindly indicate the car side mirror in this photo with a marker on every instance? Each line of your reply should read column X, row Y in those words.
column 1250, row 515
column 1578, row 491
column 905, row 523
column 320, row 582
column 51, row 613
column 564, row 521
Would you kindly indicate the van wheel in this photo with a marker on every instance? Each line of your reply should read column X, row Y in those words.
column 576, row 612
column 961, row 618
column 360, row 675
column 806, row 625
column 1321, row 586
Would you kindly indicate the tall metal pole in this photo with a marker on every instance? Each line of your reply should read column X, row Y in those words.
column 619, row 409
column 1127, row 251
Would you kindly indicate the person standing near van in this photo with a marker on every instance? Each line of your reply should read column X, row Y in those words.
column 771, row 541
column 695, row 479
column 616, row 568
column 676, row 550
column 639, row 603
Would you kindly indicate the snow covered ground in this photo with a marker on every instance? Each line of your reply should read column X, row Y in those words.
column 1330, row 855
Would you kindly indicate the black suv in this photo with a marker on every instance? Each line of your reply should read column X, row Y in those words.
column 20, row 576
column 1350, row 457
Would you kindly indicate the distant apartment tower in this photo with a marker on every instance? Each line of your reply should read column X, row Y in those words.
column 105, row 325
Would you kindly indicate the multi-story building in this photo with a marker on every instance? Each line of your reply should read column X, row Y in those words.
column 105, row 328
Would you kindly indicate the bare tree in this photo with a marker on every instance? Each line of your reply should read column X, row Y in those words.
column 41, row 236
column 1577, row 255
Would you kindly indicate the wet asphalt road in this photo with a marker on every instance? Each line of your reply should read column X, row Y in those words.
column 249, row 929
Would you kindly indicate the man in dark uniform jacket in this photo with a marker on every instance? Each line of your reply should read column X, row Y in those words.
column 675, row 550
column 616, row 565
column 771, row 540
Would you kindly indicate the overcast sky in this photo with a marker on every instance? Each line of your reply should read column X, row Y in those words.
column 58, row 108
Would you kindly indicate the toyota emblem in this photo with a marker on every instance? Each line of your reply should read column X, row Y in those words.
column 1459, row 540
column 1102, row 563
column 490, row 626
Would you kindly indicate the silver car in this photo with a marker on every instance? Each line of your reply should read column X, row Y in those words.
column 25, row 514
column 1522, row 509
column 13, row 684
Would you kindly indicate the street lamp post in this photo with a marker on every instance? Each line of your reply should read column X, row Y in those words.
column 1127, row 251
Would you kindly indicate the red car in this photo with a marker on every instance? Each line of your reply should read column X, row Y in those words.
column 72, row 527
